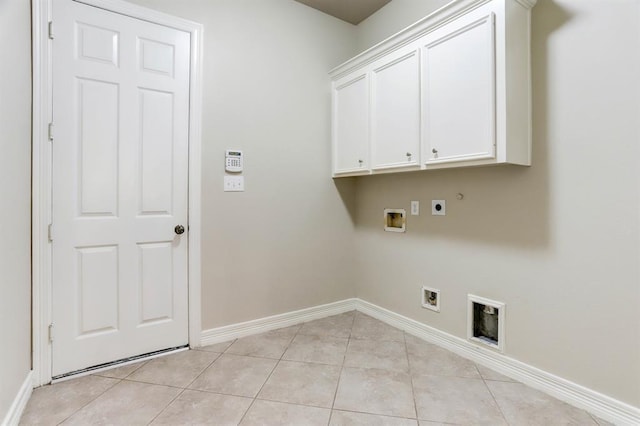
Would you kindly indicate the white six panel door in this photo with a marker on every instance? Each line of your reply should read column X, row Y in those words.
column 120, row 168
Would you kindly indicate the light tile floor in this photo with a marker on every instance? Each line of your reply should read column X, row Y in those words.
column 349, row 369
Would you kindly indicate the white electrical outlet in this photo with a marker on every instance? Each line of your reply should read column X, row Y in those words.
column 438, row 207
column 415, row 208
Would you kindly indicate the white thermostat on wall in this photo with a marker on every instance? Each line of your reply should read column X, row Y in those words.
column 233, row 161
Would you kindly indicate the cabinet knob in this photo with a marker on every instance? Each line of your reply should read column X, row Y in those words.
column 360, row 162
column 435, row 151
column 408, row 154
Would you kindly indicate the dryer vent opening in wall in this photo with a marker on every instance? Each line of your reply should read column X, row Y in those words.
column 486, row 322
column 395, row 220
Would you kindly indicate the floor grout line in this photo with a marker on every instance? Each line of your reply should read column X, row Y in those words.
column 337, row 327
column 344, row 358
column 292, row 403
column 381, row 415
column 167, row 406
column 152, row 383
column 205, row 369
column 268, row 377
column 595, row 419
column 413, row 390
column 118, row 381
column 182, row 389
column 493, row 396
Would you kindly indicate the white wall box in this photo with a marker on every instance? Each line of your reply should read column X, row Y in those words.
column 485, row 321
column 395, row 220
column 451, row 90
column 431, row 298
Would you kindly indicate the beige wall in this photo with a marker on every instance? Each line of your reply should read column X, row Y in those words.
column 15, row 199
column 557, row 242
column 393, row 17
column 287, row 242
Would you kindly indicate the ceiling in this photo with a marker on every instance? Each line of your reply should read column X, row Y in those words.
column 352, row 11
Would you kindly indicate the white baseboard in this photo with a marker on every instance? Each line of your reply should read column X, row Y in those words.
column 20, row 402
column 605, row 407
column 234, row 331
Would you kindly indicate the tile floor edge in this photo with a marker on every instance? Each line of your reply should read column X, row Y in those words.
column 261, row 325
column 603, row 406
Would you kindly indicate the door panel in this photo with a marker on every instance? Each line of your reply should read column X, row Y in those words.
column 156, row 284
column 351, row 124
column 98, row 111
column 97, row 44
column 396, row 111
column 156, row 139
column 120, row 167
column 156, row 57
column 459, row 90
column 98, row 290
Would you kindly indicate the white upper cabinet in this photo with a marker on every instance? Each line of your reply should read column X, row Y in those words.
column 458, row 90
column 395, row 111
column 351, row 124
column 452, row 90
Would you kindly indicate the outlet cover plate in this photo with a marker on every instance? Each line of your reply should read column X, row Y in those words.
column 415, row 208
column 438, row 208
column 234, row 183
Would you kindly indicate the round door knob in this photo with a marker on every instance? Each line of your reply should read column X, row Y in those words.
column 179, row 229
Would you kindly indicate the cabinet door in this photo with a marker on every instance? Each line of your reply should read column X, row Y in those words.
column 351, row 124
column 395, row 113
column 459, row 91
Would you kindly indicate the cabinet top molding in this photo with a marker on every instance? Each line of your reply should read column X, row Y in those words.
column 434, row 20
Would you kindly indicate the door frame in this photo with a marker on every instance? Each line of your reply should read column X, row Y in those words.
column 41, row 250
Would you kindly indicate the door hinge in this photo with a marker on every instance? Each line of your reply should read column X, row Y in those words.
column 50, row 332
column 50, row 232
column 51, row 131
column 51, row 34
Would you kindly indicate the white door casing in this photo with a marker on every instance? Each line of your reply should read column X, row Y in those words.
column 120, row 186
